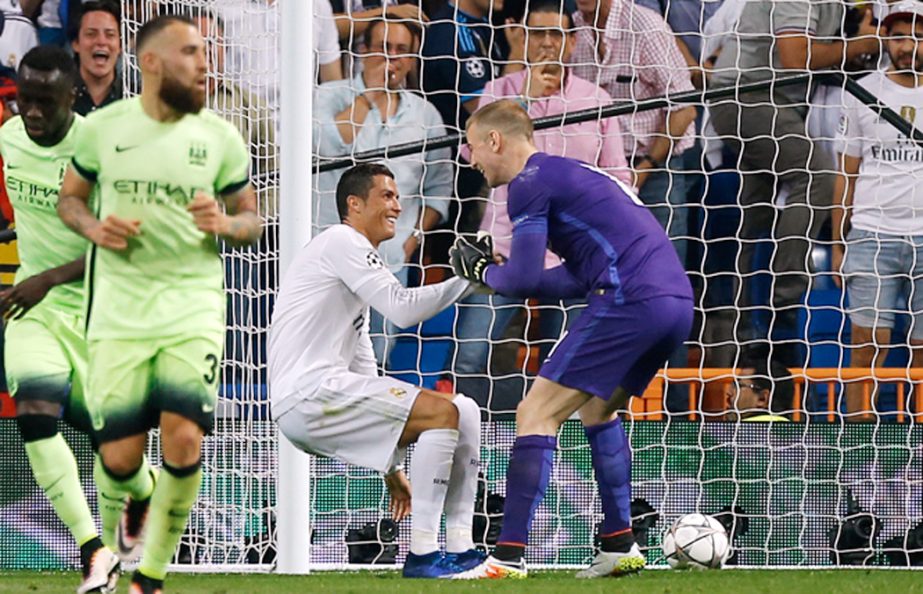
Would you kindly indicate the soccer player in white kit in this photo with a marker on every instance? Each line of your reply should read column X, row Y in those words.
column 328, row 398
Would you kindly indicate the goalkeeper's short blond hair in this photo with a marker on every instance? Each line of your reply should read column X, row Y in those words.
column 506, row 116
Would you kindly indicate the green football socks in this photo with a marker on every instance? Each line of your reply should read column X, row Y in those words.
column 174, row 496
column 114, row 490
column 55, row 470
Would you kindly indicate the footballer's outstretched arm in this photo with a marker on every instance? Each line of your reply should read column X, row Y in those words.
column 406, row 307
column 74, row 210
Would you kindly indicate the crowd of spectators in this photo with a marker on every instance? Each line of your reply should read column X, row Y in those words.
column 391, row 72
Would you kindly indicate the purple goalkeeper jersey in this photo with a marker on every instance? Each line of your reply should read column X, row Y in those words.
column 607, row 238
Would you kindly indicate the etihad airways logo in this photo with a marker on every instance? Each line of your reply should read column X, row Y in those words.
column 155, row 192
column 25, row 192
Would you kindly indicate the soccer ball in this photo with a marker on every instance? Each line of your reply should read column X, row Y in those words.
column 696, row 540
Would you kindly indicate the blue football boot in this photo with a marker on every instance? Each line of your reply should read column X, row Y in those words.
column 431, row 565
column 467, row 560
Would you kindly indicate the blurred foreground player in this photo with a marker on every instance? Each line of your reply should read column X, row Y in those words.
column 328, row 398
column 45, row 352
column 156, row 303
column 639, row 311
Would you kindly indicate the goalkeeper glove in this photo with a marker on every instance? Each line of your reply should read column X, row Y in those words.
column 484, row 241
column 468, row 259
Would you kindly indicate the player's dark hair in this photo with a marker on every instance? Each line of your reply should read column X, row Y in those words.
column 109, row 6
column 775, row 377
column 358, row 181
column 49, row 58
column 552, row 6
column 413, row 27
column 150, row 29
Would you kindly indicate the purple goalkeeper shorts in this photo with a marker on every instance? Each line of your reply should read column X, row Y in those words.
column 612, row 346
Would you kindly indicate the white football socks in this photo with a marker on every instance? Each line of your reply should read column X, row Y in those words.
column 463, row 485
column 430, row 470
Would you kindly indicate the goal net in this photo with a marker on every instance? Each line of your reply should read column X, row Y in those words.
column 751, row 222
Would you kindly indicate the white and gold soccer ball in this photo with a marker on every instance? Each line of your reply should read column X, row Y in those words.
column 697, row 541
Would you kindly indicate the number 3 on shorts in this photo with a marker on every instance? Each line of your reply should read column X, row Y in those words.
column 212, row 374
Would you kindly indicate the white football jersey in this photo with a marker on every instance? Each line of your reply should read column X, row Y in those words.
column 889, row 189
column 19, row 34
column 321, row 317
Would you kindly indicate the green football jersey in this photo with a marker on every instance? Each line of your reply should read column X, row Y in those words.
column 33, row 175
column 169, row 281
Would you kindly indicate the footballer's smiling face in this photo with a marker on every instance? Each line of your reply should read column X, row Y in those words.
column 485, row 154
column 376, row 215
column 98, row 43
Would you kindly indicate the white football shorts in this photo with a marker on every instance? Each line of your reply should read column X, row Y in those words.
column 354, row 418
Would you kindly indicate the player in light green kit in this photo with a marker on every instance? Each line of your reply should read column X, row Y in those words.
column 45, row 350
column 155, row 319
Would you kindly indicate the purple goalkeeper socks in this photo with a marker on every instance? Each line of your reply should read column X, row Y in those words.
column 526, row 480
column 612, row 463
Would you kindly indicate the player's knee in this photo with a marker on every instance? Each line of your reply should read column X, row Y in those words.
column 468, row 410
column 531, row 419
column 448, row 415
column 182, row 446
column 35, row 427
column 120, row 467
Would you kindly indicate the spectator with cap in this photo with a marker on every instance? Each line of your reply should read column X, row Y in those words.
column 878, row 197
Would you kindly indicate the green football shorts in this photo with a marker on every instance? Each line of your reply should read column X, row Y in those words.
column 133, row 381
column 46, row 359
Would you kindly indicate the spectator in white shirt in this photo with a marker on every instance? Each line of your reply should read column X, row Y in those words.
column 880, row 194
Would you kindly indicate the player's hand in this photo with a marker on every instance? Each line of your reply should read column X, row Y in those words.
column 16, row 301
column 469, row 260
column 836, row 263
column 399, row 490
column 113, row 232
column 207, row 214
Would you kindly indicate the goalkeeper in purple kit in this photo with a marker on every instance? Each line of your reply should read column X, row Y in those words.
column 639, row 310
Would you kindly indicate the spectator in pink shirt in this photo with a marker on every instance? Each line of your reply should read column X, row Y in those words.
column 546, row 87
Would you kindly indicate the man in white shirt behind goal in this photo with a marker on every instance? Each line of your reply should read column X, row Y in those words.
column 328, row 398
column 878, row 225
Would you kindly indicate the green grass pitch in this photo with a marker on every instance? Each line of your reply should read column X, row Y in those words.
column 548, row 582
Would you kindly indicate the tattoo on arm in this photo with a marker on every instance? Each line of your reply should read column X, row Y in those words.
column 75, row 213
column 245, row 226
